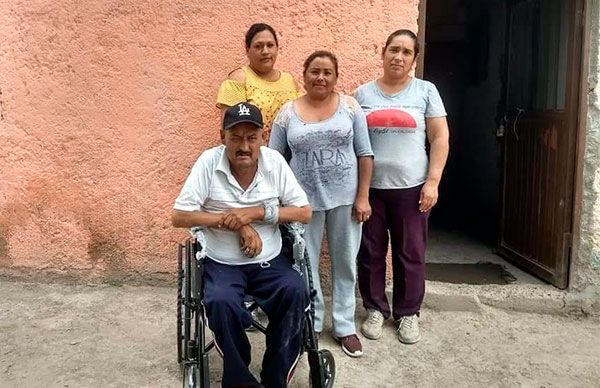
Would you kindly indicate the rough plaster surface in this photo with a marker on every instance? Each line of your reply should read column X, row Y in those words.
column 585, row 271
column 104, row 107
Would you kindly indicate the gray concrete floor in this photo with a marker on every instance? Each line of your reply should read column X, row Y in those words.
column 459, row 248
column 57, row 335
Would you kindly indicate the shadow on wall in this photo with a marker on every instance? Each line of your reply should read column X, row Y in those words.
column 52, row 236
column 106, row 250
column 4, row 259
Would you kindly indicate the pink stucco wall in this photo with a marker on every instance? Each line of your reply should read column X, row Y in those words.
column 104, row 107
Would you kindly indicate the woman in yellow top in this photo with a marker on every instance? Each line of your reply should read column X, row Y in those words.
column 259, row 82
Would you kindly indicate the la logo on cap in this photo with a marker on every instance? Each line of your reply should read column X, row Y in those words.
column 244, row 111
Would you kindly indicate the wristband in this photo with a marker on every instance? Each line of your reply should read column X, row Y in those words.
column 271, row 214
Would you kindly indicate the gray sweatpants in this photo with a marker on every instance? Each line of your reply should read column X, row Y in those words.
column 343, row 235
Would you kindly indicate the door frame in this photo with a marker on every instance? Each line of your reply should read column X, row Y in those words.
column 421, row 25
column 581, row 92
column 581, row 133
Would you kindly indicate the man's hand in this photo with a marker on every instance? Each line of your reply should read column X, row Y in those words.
column 234, row 219
column 429, row 195
column 361, row 210
column 250, row 242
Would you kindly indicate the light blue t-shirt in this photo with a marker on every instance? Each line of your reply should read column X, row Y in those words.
column 397, row 131
column 324, row 154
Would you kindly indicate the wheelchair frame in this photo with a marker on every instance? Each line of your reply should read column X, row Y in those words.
column 192, row 346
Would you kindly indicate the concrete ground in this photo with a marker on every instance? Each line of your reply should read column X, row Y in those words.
column 57, row 335
column 456, row 247
column 526, row 294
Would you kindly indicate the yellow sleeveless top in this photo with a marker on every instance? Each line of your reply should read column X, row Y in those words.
column 268, row 96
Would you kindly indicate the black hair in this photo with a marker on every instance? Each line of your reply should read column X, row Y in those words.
column 321, row 54
column 408, row 33
column 255, row 29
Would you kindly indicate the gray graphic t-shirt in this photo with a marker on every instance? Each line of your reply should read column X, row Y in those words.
column 397, row 131
column 324, row 154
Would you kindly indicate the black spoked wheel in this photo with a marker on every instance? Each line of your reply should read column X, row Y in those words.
column 328, row 367
column 322, row 375
column 191, row 376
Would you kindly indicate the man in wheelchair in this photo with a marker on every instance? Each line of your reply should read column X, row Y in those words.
column 239, row 192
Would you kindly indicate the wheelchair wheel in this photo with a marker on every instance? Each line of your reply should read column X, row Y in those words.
column 322, row 369
column 180, row 339
column 191, row 376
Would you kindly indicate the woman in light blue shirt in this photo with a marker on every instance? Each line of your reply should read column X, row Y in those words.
column 324, row 136
column 403, row 114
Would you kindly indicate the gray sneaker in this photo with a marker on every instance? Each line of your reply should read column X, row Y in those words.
column 372, row 327
column 408, row 329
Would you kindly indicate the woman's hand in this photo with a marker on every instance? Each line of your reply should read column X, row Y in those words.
column 361, row 210
column 250, row 241
column 429, row 195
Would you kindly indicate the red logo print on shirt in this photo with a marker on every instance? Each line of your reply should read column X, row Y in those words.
column 391, row 118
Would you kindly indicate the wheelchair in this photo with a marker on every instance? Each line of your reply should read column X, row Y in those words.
column 192, row 344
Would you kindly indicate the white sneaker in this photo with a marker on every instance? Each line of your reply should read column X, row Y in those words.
column 408, row 329
column 372, row 327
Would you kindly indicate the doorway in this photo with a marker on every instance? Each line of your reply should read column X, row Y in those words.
column 507, row 71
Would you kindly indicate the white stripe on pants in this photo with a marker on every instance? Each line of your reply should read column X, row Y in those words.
column 343, row 235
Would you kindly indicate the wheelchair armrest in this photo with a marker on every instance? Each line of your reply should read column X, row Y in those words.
column 296, row 230
column 198, row 233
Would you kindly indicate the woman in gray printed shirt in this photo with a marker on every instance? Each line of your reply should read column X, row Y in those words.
column 403, row 113
column 324, row 136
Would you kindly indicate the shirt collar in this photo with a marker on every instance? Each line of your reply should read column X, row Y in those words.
column 263, row 160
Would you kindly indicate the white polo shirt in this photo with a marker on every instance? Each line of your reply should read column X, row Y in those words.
column 211, row 188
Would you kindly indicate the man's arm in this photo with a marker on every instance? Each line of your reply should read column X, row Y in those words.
column 236, row 218
column 232, row 219
column 250, row 242
column 295, row 214
column 185, row 219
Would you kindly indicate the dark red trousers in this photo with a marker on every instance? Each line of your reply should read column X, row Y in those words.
column 395, row 211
